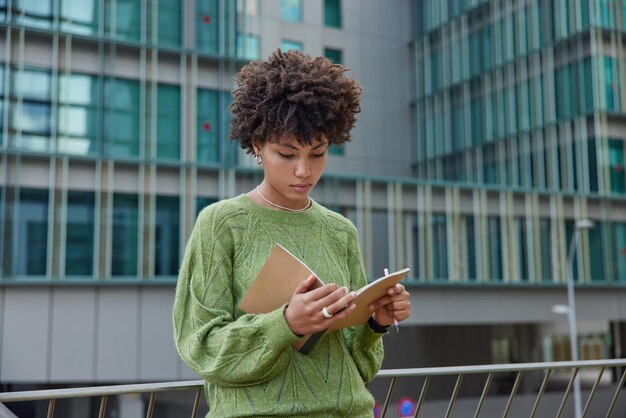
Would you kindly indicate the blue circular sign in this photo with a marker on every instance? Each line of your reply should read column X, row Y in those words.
column 406, row 407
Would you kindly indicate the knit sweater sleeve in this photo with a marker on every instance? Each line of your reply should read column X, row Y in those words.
column 366, row 346
column 230, row 353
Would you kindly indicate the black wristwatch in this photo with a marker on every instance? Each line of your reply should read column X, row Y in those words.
column 376, row 327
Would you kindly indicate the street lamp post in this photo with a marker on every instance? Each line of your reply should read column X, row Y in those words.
column 571, row 312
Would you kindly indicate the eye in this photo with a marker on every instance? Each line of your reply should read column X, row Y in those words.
column 286, row 156
column 318, row 155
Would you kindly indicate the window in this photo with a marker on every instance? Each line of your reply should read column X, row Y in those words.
column 2, row 109
column 122, row 19
column 125, row 223
column 214, row 26
column 3, row 9
column 213, row 120
column 166, row 260
column 522, row 258
column 495, row 248
column 334, row 55
column 248, row 46
column 78, row 115
column 80, row 236
column 439, row 247
column 470, row 234
column 611, row 84
column 33, row 13
column 597, row 260
column 286, row 45
column 605, row 13
column 616, row 166
column 291, row 10
column 563, row 93
column 30, row 117
column 167, row 124
column 546, row 249
column 202, row 202
column 593, row 165
column 32, row 232
column 167, row 31
column 332, row 13
column 619, row 250
column 79, row 16
column 121, row 117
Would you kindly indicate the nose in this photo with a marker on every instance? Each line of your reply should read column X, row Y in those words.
column 303, row 170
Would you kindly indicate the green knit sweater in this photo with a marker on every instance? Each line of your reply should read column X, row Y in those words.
column 246, row 360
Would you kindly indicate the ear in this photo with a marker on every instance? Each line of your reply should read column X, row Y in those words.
column 256, row 148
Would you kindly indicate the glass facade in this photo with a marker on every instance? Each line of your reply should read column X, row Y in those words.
column 524, row 97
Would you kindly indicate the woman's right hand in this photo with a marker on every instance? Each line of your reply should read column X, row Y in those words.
column 305, row 315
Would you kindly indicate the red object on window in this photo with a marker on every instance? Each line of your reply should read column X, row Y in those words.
column 623, row 251
column 619, row 168
column 206, row 19
column 206, row 126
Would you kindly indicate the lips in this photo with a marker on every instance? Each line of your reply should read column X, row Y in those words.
column 301, row 187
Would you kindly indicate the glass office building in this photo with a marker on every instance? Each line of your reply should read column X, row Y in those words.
column 524, row 98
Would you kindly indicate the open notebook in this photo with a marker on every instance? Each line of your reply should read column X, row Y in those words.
column 283, row 272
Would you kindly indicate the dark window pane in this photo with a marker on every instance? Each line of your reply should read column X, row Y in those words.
column 332, row 13
column 334, row 55
column 596, row 252
column 619, row 250
column 125, row 226
column 522, row 249
column 166, row 236
column 202, row 202
column 495, row 248
column 471, row 248
column 546, row 249
column 80, row 234
column 616, row 166
column 32, row 232
column 439, row 248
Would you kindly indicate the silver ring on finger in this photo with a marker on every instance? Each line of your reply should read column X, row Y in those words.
column 326, row 314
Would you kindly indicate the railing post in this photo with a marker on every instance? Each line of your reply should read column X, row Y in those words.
column 51, row 404
column 103, row 406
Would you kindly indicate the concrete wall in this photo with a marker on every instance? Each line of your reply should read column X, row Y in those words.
column 124, row 334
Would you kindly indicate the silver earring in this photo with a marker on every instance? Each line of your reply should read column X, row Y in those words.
column 258, row 159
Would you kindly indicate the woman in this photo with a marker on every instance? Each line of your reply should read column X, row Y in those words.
column 286, row 111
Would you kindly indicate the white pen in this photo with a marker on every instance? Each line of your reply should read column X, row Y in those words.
column 395, row 321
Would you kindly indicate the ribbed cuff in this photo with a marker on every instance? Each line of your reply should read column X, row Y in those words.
column 281, row 333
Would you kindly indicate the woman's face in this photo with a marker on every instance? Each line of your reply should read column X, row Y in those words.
column 291, row 169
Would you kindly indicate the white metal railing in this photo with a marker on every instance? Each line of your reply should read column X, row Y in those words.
column 104, row 392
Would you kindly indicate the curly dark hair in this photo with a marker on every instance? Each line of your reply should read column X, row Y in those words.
column 292, row 93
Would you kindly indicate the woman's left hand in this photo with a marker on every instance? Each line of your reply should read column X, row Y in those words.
column 395, row 305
